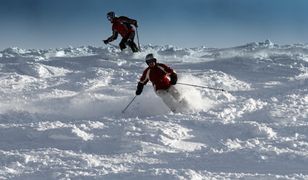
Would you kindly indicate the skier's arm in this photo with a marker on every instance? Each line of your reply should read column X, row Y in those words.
column 139, row 88
column 166, row 68
column 143, row 81
column 113, row 37
column 145, row 77
column 171, row 73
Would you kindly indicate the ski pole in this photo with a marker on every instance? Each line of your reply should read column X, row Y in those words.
column 138, row 39
column 202, row 86
column 128, row 104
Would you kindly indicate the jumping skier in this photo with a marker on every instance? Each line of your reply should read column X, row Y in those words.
column 163, row 79
column 122, row 25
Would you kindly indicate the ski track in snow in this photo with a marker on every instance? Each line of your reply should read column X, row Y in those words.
column 60, row 114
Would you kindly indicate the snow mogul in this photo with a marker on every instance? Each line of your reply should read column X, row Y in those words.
column 163, row 79
column 122, row 25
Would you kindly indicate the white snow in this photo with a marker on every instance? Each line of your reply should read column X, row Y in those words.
column 60, row 114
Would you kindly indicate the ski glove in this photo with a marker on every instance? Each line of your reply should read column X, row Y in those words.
column 173, row 78
column 106, row 41
column 139, row 89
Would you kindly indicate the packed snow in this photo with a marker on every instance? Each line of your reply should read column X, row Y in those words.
column 61, row 114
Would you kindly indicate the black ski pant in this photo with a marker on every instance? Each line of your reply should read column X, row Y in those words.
column 130, row 42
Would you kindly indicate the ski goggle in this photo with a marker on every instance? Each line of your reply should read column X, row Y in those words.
column 148, row 61
column 109, row 18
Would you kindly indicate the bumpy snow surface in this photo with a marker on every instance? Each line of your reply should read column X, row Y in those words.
column 60, row 114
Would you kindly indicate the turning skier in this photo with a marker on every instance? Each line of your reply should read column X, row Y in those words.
column 122, row 25
column 163, row 79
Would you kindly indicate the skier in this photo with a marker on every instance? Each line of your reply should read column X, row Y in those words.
column 163, row 79
column 122, row 25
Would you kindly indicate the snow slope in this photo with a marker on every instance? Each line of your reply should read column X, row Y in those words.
column 60, row 114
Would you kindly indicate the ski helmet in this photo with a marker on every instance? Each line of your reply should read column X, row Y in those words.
column 110, row 15
column 150, row 58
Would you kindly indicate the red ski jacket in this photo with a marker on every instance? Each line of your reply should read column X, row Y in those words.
column 122, row 25
column 158, row 75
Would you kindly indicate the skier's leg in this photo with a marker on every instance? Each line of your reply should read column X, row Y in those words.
column 175, row 93
column 131, row 43
column 182, row 102
column 122, row 44
column 167, row 99
column 133, row 46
